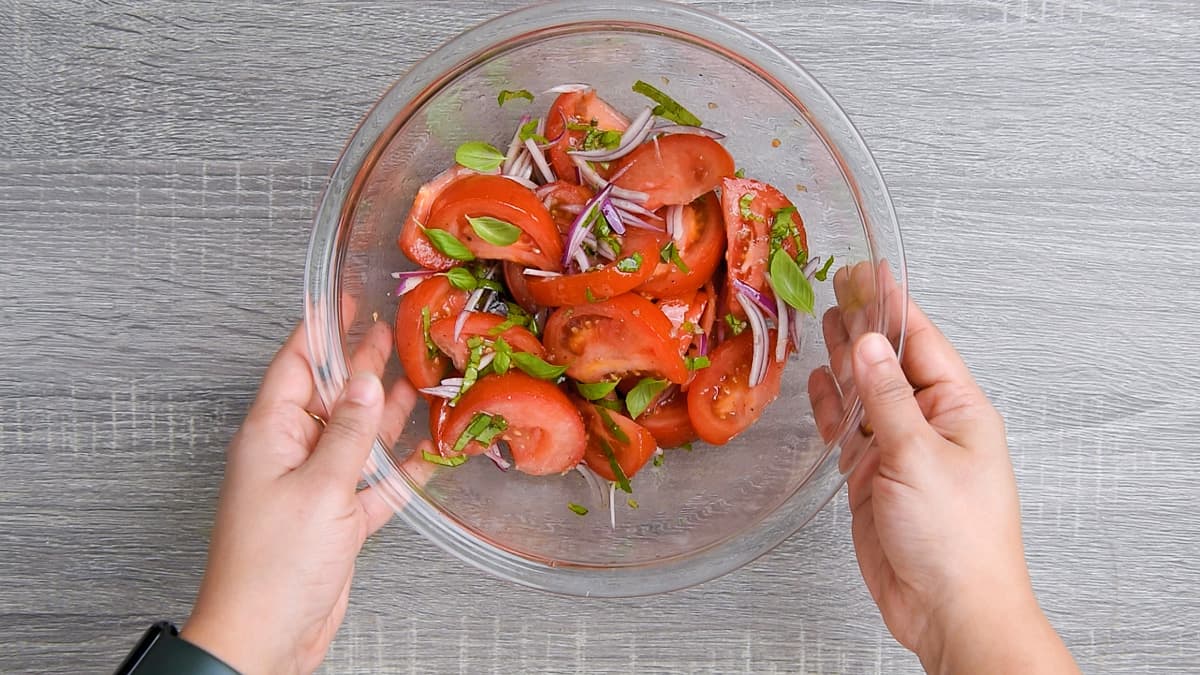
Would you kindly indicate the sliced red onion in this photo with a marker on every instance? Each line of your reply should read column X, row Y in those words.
column 531, row 272
column 694, row 131
column 781, row 328
column 541, row 318
column 544, row 191
column 634, row 207
column 702, row 344
column 612, row 505
column 550, row 142
column 581, row 260
column 461, row 321
column 597, row 181
column 573, row 209
column 410, row 274
column 794, row 325
column 604, row 251
column 764, row 302
column 523, row 182
column 410, row 280
column 592, row 480
column 811, row 267
column 612, row 216
column 514, row 148
column 635, row 221
column 578, row 230
column 675, row 223
column 493, row 453
column 631, row 138
column 486, row 360
column 447, row 388
column 758, row 326
column 539, row 160
column 568, row 88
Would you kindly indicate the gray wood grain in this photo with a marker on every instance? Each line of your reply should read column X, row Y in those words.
column 159, row 162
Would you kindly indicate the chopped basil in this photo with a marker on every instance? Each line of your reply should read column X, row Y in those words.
column 580, row 510
column 670, row 254
column 610, row 404
column 511, row 322
column 642, row 395
column 497, row 426
column 740, row 173
column 698, row 362
column 622, row 480
column 667, row 107
column 507, row 95
column 744, row 206
column 482, row 428
column 479, row 156
column 686, row 446
column 431, row 349
column 658, row 459
column 594, row 391
column 632, row 503
column 448, row 244
column 631, row 264
column 612, row 426
column 823, row 273
column 534, row 366
column 471, row 372
column 501, row 356
column 601, row 140
column 783, row 226
column 489, row 284
column 460, row 277
column 433, row 458
column 529, row 130
column 788, row 280
column 495, row 231
column 735, row 324
column 587, row 293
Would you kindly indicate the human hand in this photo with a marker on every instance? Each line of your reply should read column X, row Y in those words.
column 936, row 517
column 290, row 521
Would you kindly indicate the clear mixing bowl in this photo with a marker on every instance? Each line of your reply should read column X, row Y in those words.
column 702, row 513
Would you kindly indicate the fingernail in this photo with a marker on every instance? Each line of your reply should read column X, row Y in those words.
column 875, row 348
column 364, row 389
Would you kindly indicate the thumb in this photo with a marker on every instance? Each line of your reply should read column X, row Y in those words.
column 886, row 393
column 350, row 433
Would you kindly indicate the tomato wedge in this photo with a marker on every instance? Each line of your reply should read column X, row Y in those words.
column 514, row 281
column 539, row 244
column 685, row 312
column 613, row 437
column 414, row 244
column 438, row 411
column 425, row 367
column 544, row 431
column 481, row 324
column 700, row 246
column 750, row 238
column 674, row 169
column 626, row 335
column 720, row 402
column 577, row 107
column 667, row 420
column 604, row 282
column 564, row 201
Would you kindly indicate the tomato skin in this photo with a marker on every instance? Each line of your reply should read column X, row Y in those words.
column 720, row 404
column 703, row 243
column 602, row 283
column 481, row 324
column 560, row 197
column 577, row 107
column 684, row 309
column 631, row 456
column 668, row 421
column 514, row 281
column 750, row 238
column 539, row 245
column 443, row 300
column 626, row 335
column 674, row 169
column 545, row 432
column 412, row 242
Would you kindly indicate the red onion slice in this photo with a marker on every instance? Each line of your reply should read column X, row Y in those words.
column 493, row 453
column 631, row 138
column 811, row 267
column 568, row 88
column 694, row 131
column 764, row 302
column 675, row 223
column 702, row 344
column 531, row 272
column 781, row 331
column 634, row 207
column 758, row 326
column 578, row 230
column 523, row 182
column 635, row 221
column 461, row 321
column 794, row 326
column 514, row 148
column 539, row 160
column 447, row 388
column 581, row 260
column 597, row 181
column 612, row 216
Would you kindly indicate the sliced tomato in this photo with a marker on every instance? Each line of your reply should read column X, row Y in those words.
column 545, row 433
column 481, row 324
column 700, row 245
column 720, row 402
column 674, row 169
column 750, row 238
column 439, row 410
column 539, row 244
column 685, row 312
column 613, row 435
column 624, row 336
column 564, row 200
column 414, row 244
column 514, row 281
column 423, row 368
column 602, row 283
column 667, row 420
column 578, row 107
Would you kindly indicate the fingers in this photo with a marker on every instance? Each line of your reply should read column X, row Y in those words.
column 371, row 355
column 929, row 358
column 378, row 511
column 350, row 434
column 826, row 402
column 886, row 393
column 288, row 380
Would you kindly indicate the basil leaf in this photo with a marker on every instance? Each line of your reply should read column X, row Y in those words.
column 740, row 173
column 495, row 231
column 632, row 503
column 631, row 264
column 612, row 426
column 667, row 107
column 448, row 244
column 658, row 460
column 431, row 349
column 610, row 404
column 507, row 95
column 594, row 391
column 736, row 325
column 622, row 479
column 476, row 426
column 788, row 280
column 640, row 397
column 823, row 273
column 461, row 278
column 670, row 254
column 479, row 156
column 501, row 362
column 529, row 130
column 744, row 206
column 536, row 367
column 698, row 362
column 581, row 510
column 496, row 426
column 456, row 460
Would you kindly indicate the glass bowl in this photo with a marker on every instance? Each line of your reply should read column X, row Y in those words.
column 701, row 513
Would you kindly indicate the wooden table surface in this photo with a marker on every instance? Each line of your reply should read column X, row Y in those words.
column 159, row 165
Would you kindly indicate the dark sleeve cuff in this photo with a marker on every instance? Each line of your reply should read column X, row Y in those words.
column 162, row 652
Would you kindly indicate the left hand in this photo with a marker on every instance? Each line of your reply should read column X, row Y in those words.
column 290, row 521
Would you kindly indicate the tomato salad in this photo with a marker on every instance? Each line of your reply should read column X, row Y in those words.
column 607, row 287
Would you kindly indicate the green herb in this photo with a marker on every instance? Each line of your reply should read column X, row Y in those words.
column 581, row 510
column 622, row 480
column 789, row 282
column 670, row 254
column 507, row 95
column 529, row 131
column 490, row 285
column 735, row 324
column 667, row 107
column 640, row 397
column 784, row 226
column 471, row 372
column 434, row 458
column 632, row 503
column 613, row 427
column 597, row 139
column 431, row 348
column 594, row 391
column 697, row 362
column 448, row 244
column 479, row 156
column 823, row 273
column 536, row 367
column 482, row 428
column 460, row 277
column 658, row 459
column 686, row 446
column 501, row 356
column 744, row 207
column 740, row 173
column 511, row 322
column 495, row 231
column 631, row 264
column 497, row 426
column 610, row 404
column 587, row 293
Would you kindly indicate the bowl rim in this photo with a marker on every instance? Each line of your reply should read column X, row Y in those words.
column 407, row 95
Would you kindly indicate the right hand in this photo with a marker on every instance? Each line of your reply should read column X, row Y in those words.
column 936, row 517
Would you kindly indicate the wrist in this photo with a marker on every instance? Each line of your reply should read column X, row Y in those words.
column 249, row 649
column 983, row 631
